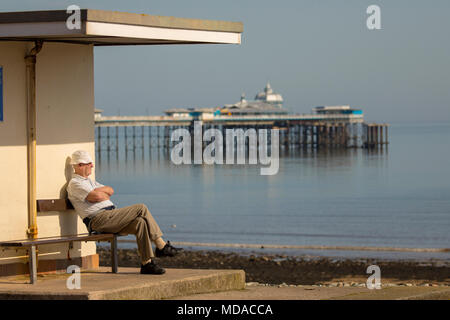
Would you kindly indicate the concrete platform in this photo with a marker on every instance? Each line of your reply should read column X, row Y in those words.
column 127, row 284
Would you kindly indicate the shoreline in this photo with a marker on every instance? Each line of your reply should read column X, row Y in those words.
column 302, row 247
column 281, row 269
column 314, row 251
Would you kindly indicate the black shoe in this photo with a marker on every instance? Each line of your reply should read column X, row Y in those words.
column 152, row 268
column 167, row 251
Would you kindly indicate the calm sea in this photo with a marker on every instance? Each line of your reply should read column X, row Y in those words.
column 395, row 197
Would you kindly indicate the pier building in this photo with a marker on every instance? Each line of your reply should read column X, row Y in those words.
column 270, row 97
column 266, row 102
column 336, row 110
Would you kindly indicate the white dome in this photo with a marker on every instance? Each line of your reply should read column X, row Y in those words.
column 270, row 97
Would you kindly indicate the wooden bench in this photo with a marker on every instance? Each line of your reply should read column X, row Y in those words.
column 31, row 244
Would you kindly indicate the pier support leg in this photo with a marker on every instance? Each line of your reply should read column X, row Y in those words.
column 345, row 135
column 376, row 136
column 142, row 139
column 99, row 139
column 150, row 137
column 387, row 141
column 157, row 135
column 107, row 140
column 381, row 136
column 117, row 140
column 134, row 138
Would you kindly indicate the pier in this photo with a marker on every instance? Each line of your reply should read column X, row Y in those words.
column 295, row 131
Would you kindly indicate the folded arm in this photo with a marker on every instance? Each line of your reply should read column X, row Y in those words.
column 100, row 194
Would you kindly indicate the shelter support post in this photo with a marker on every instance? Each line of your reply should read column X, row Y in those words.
column 114, row 256
column 30, row 61
column 32, row 262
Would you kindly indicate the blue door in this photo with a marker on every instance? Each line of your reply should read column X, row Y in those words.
column 1, row 93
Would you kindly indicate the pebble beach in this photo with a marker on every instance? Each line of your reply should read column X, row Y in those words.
column 284, row 270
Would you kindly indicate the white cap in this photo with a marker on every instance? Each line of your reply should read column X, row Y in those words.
column 81, row 156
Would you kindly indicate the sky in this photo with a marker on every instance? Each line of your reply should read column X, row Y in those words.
column 313, row 52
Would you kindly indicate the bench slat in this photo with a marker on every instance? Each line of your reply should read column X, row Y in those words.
column 40, row 241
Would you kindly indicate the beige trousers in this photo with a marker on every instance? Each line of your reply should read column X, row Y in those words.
column 135, row 219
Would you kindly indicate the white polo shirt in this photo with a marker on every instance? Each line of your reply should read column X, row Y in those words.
column 78, row 189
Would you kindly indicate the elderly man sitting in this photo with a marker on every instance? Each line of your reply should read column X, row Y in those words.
column 92, row 202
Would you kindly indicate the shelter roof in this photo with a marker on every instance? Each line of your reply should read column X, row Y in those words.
column 103, row 28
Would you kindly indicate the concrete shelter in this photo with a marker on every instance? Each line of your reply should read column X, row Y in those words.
column 47, row 93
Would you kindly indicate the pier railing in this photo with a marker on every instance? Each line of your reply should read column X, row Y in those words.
column 105, row 121
column 308, row 131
